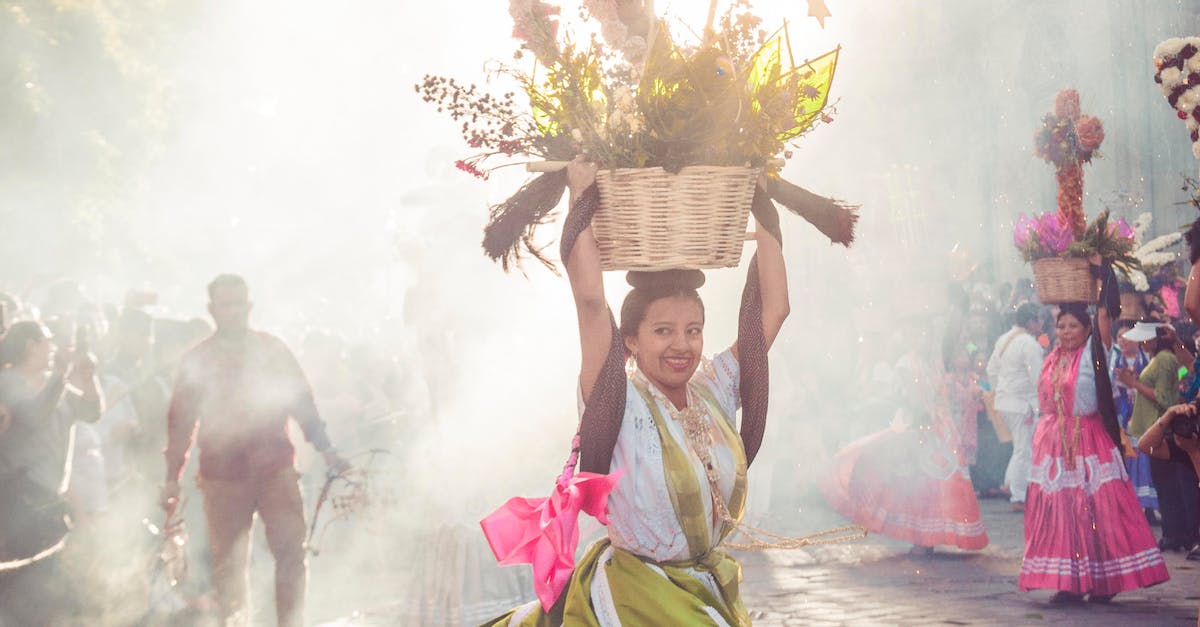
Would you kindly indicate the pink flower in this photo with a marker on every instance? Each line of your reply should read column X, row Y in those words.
column 1124, row 231
column 602, row 10
column 1054, row 233
column 1090, row 132
column 541, row 9
column 1024, row 230
column 534, row 24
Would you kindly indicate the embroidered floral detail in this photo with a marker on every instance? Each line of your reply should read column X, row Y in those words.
column 1097, row 569
column 1091, row 476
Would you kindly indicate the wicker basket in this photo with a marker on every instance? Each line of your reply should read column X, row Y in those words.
column 1131, row 306
column 1068, row 280
column 652, row 220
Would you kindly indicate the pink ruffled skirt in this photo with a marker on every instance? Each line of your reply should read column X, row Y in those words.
column 1085, row 532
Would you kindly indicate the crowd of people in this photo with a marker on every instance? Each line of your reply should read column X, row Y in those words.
column 1083, row 422
column 994, row 396
column 92, row 396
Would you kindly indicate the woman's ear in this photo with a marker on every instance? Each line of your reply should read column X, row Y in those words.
column 631, row 345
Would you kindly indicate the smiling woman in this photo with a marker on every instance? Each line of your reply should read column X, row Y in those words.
column 662, row 325
column 1084, row 529
column 659, row 425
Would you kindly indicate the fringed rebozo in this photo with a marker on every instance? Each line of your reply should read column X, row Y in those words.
column 601, row 421
column 755, row 372
column 833, row 218
column 512, row 223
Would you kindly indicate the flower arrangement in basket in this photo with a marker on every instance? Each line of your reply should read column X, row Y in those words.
column 1177, row 72
column 1139, row 285
column 1059, row 243
column 682, row 129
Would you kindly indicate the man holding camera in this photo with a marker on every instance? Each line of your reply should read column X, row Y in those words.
column 1175, row 436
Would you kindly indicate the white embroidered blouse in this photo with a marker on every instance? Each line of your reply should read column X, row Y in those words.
column 641, row 518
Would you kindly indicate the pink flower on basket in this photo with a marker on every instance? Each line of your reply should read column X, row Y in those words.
column 1122, row 230
column 1024, row 230
column 544, row 532
column 1054, row 233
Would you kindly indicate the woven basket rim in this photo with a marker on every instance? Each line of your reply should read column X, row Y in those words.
column 686, row 167
column 1053, row 280
column 651, row 219
column 1060, row 258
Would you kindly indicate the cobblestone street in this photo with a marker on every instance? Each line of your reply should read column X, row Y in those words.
column 876, row 582
column 873, row 581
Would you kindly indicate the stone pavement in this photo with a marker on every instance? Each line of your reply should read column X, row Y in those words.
column 876, row 582
column 873, row 581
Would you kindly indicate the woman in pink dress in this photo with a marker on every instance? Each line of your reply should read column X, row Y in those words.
column 910, row 481
column 1084, row 529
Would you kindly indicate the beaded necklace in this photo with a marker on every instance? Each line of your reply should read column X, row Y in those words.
column 1070, row 444
column 700, row 438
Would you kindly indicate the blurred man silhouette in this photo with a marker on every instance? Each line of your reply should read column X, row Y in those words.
column 1013, row 370
column 234, row 393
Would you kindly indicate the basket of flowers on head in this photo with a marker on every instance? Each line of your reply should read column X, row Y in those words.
column 1059, row 243
column 1062, row 272
column 686, row 133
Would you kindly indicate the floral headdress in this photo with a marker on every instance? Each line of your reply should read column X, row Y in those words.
column 1177, row 72
column 1151, row 255
column 1068, row 139
column 635, row 97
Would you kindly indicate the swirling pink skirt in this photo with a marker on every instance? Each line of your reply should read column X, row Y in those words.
column 1085, row 532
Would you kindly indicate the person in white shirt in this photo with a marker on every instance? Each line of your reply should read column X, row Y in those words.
column 1013, row 370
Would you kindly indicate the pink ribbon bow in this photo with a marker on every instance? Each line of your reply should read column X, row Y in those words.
column 544, row 532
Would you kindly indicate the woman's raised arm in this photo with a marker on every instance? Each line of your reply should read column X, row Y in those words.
column 772, row 278
column 583, row 271
column 772, row 275
column 1191, row 294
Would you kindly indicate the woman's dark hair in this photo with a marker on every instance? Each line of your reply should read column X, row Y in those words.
column 1162, row 340
column 1026, row 313
column 1192, row 235
column 12, row 346
column 651, row 286
column 1079, row 311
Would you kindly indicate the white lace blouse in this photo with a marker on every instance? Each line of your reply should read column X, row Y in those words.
column 641, row 518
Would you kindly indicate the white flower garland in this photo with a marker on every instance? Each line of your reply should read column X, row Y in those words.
column 1152, row 254
column 1172, row 74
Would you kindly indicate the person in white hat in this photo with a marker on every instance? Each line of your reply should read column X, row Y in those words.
column 1142, row 331
column 1158, row 389
column 1128, row 354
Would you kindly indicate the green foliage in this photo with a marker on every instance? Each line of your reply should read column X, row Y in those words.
column 738, row 98
column 1101, row 237
column 84, row 107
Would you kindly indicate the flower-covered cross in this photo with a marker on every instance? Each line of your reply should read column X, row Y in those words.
column 1068, row 139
